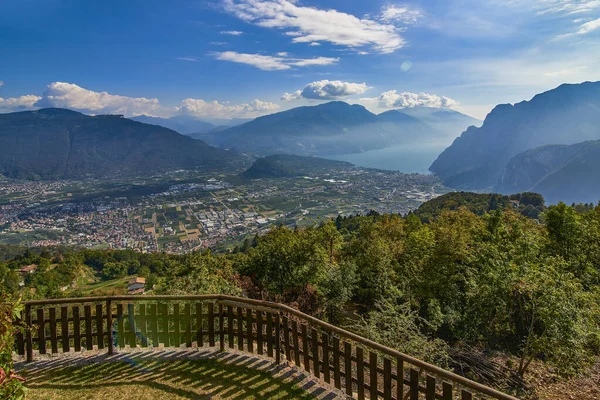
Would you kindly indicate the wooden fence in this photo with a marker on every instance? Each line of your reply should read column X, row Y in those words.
column 351, row 363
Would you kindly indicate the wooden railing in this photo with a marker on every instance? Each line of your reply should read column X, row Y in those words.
column 351, row 363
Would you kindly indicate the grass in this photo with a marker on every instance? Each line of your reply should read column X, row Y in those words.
column 159, row 379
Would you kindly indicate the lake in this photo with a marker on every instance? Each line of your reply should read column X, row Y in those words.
column 404, row 158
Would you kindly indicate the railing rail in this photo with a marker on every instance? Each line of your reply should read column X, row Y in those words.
column 356, row 365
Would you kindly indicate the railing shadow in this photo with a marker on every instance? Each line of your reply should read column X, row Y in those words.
column 189, row 373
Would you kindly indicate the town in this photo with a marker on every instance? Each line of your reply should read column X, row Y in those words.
column 185, row 212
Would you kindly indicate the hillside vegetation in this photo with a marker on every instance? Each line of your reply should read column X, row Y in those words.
column 463, row 290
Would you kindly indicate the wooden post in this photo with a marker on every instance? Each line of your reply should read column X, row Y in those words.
column 360, row 372
column 387, row 379
column 430, row 388
column 28, row 338
column 446, row 391
column 76, row 329
column 154, row 336
column 325, row 340
column 100, row 326
column 89, row 339
column 187, row 312
column 230, row 342
column 132, row 325
column 466, row 395
column 211, row 324
column 240, row 328
column 259, row 331
column 120, row 326
column 109, row 327
column 64, row 328
column 315, row 352
column 221, row 328
column 399, row 378
column 165, row 324
column 199, row 339
column 337, row 380
column 249, row 330
column 277, row 339
column 305, row 351
column 373, row 374
column 296, row 343
column 53, row 337
column 286, row 338
column 348, row 367
column 414, row 384
column 142, row 325
column 269, row 334
column 41, row 330
column 176, row 326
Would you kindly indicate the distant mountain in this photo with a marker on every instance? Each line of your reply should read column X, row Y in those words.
column 58, row 143
column 568, row 114
column 285, row 165
column 183, row 124
column 450, row 122
column 559, row 172
column 325, row 129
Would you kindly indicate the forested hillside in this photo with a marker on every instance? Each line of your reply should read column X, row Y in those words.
column 497, row 292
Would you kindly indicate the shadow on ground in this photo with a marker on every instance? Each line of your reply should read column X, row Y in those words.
column 178, row 374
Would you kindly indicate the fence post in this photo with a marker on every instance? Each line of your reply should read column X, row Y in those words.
column 109, row 326
column 28, row 339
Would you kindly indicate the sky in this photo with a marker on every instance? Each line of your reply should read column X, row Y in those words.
column 246, row 58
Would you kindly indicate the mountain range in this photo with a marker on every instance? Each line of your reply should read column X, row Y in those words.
column 58, row 143
column 478, row 159
column 181, row 123
column 336, row 128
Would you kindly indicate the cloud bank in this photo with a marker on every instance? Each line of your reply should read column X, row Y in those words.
column 273, row 63
column 393, row 99
column 327, row 90
column 313, row 25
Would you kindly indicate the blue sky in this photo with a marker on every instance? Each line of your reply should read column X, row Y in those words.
column 244, row 58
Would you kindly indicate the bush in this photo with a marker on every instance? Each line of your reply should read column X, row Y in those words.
column 11, row 385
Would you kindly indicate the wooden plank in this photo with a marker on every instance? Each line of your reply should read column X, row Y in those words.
column 166, row 334
column 430, row 388
column 270, row 334
column 360, row 372
column 99, row 326
column 296, row 343
column 221, row 328
column 41, row 331
column 399, row 379
column 348, row 368
column 64, row 329
column 199, row 332
column 187, row 313
column 325, row 340
column 28, row 333
column 447, row 390
column 249, row 334
column 76, row 329
column 464, row 395
column 240, row 328
column 286, row 338
column 176, row 326
column 387, row 379
column 153, row 323
column 120, row 326
column 373, row 374
column 87, row 315
column 230, row 327
column 53, row 336
column 305, row 351
column 142, row 325
column 109, row 326
column 337, row 376
column 314, row 336
column 211, row 324
column 259, row 332
column 132, row 326
column 277, row 339
column 414, row 384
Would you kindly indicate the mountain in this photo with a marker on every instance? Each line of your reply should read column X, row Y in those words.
column 559, row 172
column 286, row 165
column 450, row 122
column 325, row 129
column 183, row 124
column 567, row 115
column 58, row 143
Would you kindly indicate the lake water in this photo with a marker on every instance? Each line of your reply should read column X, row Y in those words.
column 404, row 158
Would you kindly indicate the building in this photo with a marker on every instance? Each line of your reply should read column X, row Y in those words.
column 28, row 269
column 136, row 285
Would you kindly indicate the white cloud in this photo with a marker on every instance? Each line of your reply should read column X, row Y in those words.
column 218, row 43
column 1, row 83
column 215, row 109
column 310, row 24
column 282, row 54
column 232, row 33
column 403, row 15
column 327, row 90
column 393, row 99
column 69, row 95
column 20, row 103
column 566, row 6
column 272, row 63
column 190, row 59
column 589, row 27
column 314, row 44
column 565, row 72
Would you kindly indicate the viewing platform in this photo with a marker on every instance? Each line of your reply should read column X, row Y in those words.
column 236, row 337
